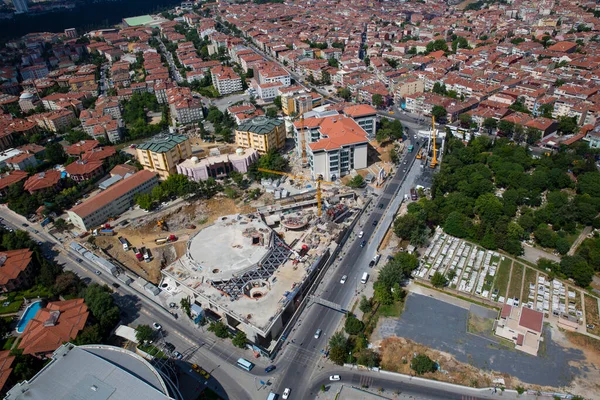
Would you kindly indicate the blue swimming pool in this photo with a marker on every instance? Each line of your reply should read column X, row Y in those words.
column 29, row 313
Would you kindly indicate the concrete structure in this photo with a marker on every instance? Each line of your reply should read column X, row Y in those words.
column 334, row 145
column 237, row 270
column 365, row 116
column 521, row 325
column 111, row 202
column 22, row 161
column 53, row 325
column 407, row 86
column 225, row 80
column 218, row 166
column 28, row 101
column 93, row 372
column 162, row 153
column 16, row 270
column 261, row 133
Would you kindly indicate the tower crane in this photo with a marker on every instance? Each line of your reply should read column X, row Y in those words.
column 319, row 181
column 434, row 161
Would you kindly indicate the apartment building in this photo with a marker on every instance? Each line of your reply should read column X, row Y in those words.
column 334, row 145
column 296, row 103
column 55, row 121
column 225, row 80
column 113, row 201
column 184, row 108
column 34, row 72
column 83, row 170
column 407, row 86
column 261, row 133
column 162, row 153
column 268, row 91
column 365, row 116
column 271, row 72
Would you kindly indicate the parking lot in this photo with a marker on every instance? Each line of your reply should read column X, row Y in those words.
column 443, row 327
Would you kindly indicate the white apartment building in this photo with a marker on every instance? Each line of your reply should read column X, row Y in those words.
column 268, row 91
column 225, row 80
column 334, row 145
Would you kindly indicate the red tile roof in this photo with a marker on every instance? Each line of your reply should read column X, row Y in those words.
column 99, row 154
column 43, row 180
column 123, row 169
column 58, row 322
column 6, row 361
column 81, row 147
column 15, row 262
column 11, row 177
column 340, row 131
column 83, row 167
column 531, row 319
column 506, row 309
column 520, row 339
column 360, row 110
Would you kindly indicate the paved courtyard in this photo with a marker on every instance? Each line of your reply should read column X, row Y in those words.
column 443, row 327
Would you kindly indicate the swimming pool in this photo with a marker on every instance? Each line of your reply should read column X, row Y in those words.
column 29, row 313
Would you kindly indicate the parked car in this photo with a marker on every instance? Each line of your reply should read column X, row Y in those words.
column 157, row 326
column 361, row 234
column 286, row 394
column 343, row 280
column 363, row 243
column 116, row 285
column 375, row 223
column 334, row 378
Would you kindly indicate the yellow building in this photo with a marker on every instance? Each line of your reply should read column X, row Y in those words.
column 162, row 153
column 297, row 103
column 261, row 133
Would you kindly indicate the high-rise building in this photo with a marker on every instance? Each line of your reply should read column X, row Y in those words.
column 20, row 6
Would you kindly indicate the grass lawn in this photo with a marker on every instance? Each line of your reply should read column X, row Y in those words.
column 591, row 314
column 31, row 293
column 13, row 307
column 514, row 290
column 152, row 350
column 487, row 285
column 8, row 343
column 393, row 310
column 502, row 275
column 530, row 277
column 479, row 325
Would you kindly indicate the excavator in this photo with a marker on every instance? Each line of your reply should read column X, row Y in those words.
column 162, row 225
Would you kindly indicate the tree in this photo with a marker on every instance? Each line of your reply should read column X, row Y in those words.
column 345, row 93
column 55, row 153
column 457, row 224
column 277, row 102
column 356, row 182
column 422, row 364
column 546, row 110
column 144, row 333
column 532, row 135
column 377, row 100
column 465, row 120
column 506, row 127
column 102, row 306
column 567, row 125
column 219, row 329
column 338, row 348
column 439, row 113
column 439, row 280
column 145, row 201
column 490, row 124
column 365, row 305
column 368, row 358
column 353, row 325
column 271, row 112
column 397, row 269
column 240, row 340
column 60, row 224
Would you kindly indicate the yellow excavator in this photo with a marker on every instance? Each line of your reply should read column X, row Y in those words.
column 319, row 181
column 162, row 225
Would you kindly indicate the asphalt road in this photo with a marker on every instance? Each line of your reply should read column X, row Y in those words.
column 301, row 357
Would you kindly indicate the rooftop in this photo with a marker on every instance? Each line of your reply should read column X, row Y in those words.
column 97, row 372
column 162, row 143
column 261, row 125
column 140, row 20
column 13, row 262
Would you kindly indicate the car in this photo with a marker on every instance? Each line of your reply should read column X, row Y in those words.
column 269, row 368
column 170, row 346
column 172, row 305
column 363, row 243
column 39, row 242
column 98, row 272
column 79, row 260
column 371, row 263
column 157, row 326
column 286, row 394
column 405, row 162
column 36, row 231
column 590, row 326
column 334, row 378
column 343, row 280
column 25, row 225
column 415, row 137
column 177, row 355
column 361, row 234
column 124, row 222
column 404, row 170
column 116, row 285
column 318, row 333
column 375, row 223
column 380, row 205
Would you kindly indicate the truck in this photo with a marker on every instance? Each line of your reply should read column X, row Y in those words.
column 124, row 242
column 125, row 279
column 168, row 239
column 413, row 194
column 139, row 253
column 103, row 232
column 147, row 255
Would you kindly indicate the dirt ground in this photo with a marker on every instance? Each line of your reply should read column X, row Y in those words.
column 396, row 354
column 144, row 232
column 587, row 384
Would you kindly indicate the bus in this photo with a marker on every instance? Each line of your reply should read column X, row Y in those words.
column 410, row 148
column 245, row 364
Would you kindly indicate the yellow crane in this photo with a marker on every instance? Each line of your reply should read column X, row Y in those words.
column 434, row 161
column 319, row 181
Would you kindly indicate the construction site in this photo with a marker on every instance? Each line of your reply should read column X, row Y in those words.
column 251, row 271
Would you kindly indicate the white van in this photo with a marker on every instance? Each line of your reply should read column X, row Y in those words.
column 364, row 278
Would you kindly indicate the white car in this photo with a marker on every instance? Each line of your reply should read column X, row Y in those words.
column 361, row 234
column 334, row 378
column 286, row 394
column 415, row 136
column 157, row 326
column 343, row 280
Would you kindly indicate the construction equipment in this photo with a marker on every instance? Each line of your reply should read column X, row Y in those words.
column 419, row 156
column 319, row 181
column 302, row 140
column 162, row 225
column 434, row 161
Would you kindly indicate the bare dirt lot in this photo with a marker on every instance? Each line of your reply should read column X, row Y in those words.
column 587, row 383
column 144, row 232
